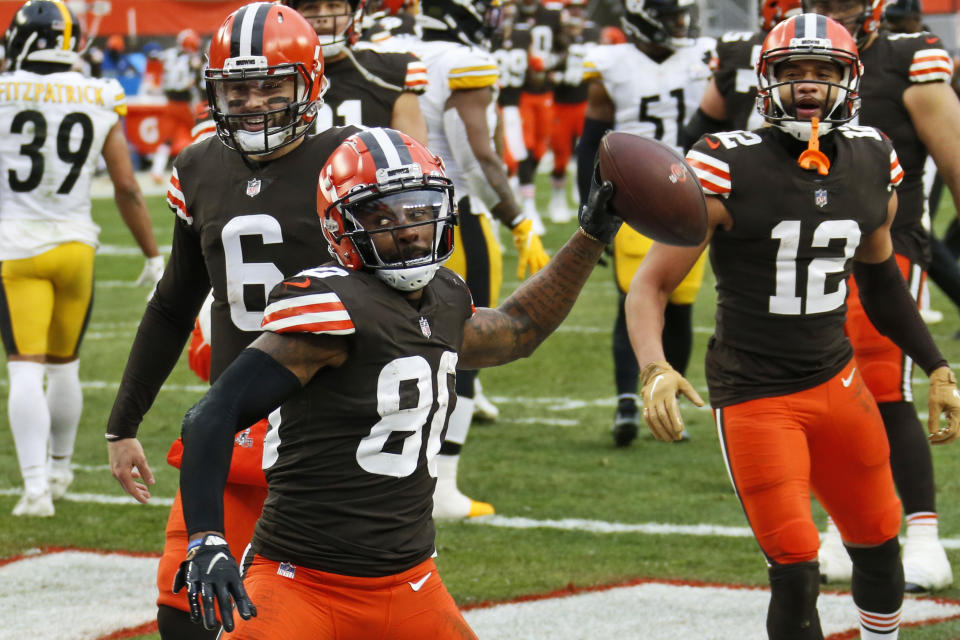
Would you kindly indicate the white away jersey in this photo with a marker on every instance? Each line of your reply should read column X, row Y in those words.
column 52, row 129
column 652, row 99
column 452, row 66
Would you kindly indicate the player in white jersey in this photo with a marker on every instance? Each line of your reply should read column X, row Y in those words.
column 460, row 109
column 55, row 123
column 648, row 86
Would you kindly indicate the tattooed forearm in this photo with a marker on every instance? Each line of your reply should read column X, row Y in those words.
column 518, row 326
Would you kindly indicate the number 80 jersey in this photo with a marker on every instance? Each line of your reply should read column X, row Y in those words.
column 349, row 459
column 52, row 130
column 781, row 269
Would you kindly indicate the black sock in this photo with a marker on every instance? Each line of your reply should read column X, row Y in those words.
column 526, row 169
column 910, row 457
column 626, row 371
column 877, row 582
column 678, row 335
column 792, row 614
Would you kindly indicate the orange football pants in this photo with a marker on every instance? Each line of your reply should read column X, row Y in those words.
column 536, row 114
column 884, row 366
column 296, row 603
column 243, row 498
column 829, row 440
column 567, row 127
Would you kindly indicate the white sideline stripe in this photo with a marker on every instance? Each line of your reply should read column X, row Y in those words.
column 98, row 498
column 121, row 250
column 113, row 386
column 600, row 526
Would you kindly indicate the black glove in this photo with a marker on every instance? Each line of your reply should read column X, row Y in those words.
column 597, row 217
column 210, row 571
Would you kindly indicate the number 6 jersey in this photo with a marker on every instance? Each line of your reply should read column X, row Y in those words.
column 781, row 269
column 53, row 130
column 349, row 459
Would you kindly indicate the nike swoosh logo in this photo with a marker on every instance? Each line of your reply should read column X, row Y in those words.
column 846, row 381
column 931, row 40
column 419, row 583
column 303, row 284
column 711, row 144
column 217, row 558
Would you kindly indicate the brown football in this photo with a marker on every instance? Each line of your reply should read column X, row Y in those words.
column 657, row 193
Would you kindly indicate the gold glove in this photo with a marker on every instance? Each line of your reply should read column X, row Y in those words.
column 661, row 411
column 529, row 249
column 944, row 399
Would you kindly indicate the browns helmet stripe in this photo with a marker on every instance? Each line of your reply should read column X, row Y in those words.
column 246, row 37
column 386, row 148
column 813, row 25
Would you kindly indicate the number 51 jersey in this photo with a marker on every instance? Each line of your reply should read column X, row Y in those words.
column 349, row 459
column 782, row 267
column 53, row 130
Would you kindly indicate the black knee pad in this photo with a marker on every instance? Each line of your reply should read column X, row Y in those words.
column 792, row 614
column 174, row 624
column 877, row 582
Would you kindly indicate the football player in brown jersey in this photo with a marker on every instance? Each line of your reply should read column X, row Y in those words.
column 729, row 101
column 243, row 202
column 793, row 412
column 906, row 94
column 360, row 357
column 367, row 87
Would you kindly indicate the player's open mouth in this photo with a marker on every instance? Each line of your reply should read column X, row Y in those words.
column 808, row 108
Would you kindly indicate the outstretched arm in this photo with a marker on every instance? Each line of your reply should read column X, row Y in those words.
column 517, row 327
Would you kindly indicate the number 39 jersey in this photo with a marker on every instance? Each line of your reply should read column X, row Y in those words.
column 781, row 269
column 52, row 132
column 253, row 226
column 349, row 459
column 652, row 99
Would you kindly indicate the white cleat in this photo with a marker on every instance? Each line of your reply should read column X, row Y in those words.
column 835, row 564
column 59, row 480
column 483, row 409
column 453, row 505
column 931, row 316
column 559, row 211
column 35, row 504
column 925, row 563
column 530, row 211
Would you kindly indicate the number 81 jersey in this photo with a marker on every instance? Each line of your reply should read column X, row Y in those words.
column 350, row 458
column 781, row 269
column 53, row 130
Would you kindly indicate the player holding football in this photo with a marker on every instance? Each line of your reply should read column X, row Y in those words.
column 360, row 355
column 645, row 86
column 56, row 125
column 906, row 94
column 243, row 202
column 793, row 413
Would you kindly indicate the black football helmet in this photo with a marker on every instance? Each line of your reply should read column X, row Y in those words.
column 43, row 31
column 471, row 22
column 666, row 23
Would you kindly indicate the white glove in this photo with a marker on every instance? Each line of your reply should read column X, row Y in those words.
column 152, row 271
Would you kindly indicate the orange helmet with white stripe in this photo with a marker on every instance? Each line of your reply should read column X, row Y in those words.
column 378, row 185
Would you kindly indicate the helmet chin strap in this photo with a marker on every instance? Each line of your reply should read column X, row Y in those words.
column 812, row 159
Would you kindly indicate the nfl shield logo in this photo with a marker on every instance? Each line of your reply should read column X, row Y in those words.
column 425, row 327
column 253, row 187
column 820, row 197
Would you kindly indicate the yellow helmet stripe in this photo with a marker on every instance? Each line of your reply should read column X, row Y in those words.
column 67, row 23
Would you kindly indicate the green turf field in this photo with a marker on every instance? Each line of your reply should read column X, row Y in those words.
column 550, row 455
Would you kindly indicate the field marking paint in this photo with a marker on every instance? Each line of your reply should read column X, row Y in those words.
column 99, row 498
column 36, row 584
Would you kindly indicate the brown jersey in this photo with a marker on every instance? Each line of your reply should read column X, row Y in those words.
column 736, row 76
column 781, row 269
column 349, row 459
column 254, row 225
column 365, row 85
column 892, row 64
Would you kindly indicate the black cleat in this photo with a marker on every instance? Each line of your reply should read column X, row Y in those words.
column 626, row 423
